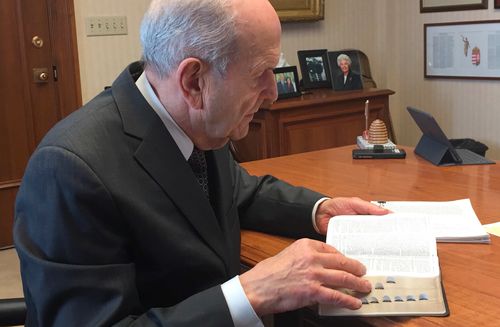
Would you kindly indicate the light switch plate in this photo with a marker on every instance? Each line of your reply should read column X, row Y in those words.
column 106, row 25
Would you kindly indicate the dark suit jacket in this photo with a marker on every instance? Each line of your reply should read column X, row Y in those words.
column 353, row 82
column 112, row 227
column 281, row 87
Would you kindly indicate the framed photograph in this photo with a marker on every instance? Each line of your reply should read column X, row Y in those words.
column 346, row 70
column 287, row 82
column 299, row 10
column 462, row 50
column 314, row 68
column 452, row 5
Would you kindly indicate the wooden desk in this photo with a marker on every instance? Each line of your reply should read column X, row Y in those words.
column 319, row 120
column 470, row 272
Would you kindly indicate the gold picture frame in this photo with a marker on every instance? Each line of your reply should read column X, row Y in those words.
column 299, row 10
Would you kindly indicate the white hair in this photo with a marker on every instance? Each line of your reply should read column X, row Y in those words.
column 173, row 30
column 345, row 57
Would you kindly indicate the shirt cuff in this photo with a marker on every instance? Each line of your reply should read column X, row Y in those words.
column 315, row 208
column 240, row 308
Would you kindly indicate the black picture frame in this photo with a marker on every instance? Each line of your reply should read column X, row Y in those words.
column 290, row 78
column 314, row 68
column 354, row 80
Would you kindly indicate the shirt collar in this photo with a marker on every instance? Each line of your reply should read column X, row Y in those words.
column 181, row 139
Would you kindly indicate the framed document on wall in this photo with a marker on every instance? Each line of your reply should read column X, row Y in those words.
column 452, row 5
column 462, row 50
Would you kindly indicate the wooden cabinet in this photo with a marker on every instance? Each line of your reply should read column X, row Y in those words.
column 322, row 119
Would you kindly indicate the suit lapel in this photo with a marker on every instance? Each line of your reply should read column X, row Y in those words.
column 161, row 158
column 220, row 185
column 168, row 167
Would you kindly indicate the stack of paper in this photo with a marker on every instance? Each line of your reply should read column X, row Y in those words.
column 363, row 144
column 493, row 228
column 450, row 221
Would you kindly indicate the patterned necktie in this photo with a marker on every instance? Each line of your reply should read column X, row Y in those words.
column 198, row 164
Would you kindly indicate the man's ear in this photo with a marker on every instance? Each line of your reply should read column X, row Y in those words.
column 190, row 77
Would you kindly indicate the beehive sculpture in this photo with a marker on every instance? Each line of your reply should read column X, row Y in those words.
column 377, row 133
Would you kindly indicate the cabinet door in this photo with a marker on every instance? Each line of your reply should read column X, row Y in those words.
column 39, row 86
column 323, row 126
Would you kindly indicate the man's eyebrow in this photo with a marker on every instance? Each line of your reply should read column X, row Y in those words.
column 262, row 66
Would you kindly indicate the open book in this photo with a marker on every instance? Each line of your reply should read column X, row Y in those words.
column 402, row 265
column 449, row 221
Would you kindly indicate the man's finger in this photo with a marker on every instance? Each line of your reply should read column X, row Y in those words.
column 339, row 299
column 338, row 278
column 342, row 279
column 338, row 261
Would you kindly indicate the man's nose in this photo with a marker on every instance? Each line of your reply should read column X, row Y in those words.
column 270, row 92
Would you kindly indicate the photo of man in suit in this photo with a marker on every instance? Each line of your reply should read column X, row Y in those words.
column 281, row 83
column 285, row 83
column 316, row 69
column 130, row 209
column 346, row 78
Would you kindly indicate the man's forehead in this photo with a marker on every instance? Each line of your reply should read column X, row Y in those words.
column 255, row 14
column 259, row 33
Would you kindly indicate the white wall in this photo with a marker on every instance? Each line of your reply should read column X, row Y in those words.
column 102, row 58
column 390, row 32
column 464, row 108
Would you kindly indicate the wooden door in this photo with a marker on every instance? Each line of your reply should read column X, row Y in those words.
column 39, row 85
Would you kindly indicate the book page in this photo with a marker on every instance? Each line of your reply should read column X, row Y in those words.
column 386, row 245
column 370, row 224
column 391, row 254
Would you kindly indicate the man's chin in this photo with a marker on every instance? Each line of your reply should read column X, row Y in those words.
column 266, row 104
column 240, row 133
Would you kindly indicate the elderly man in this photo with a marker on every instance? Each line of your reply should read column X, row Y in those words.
column 130, row 209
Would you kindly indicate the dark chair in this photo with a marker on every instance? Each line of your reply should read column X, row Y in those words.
column 12, row 312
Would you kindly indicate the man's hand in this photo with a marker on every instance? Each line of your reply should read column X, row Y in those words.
column 303, row 274
column 344, row 206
